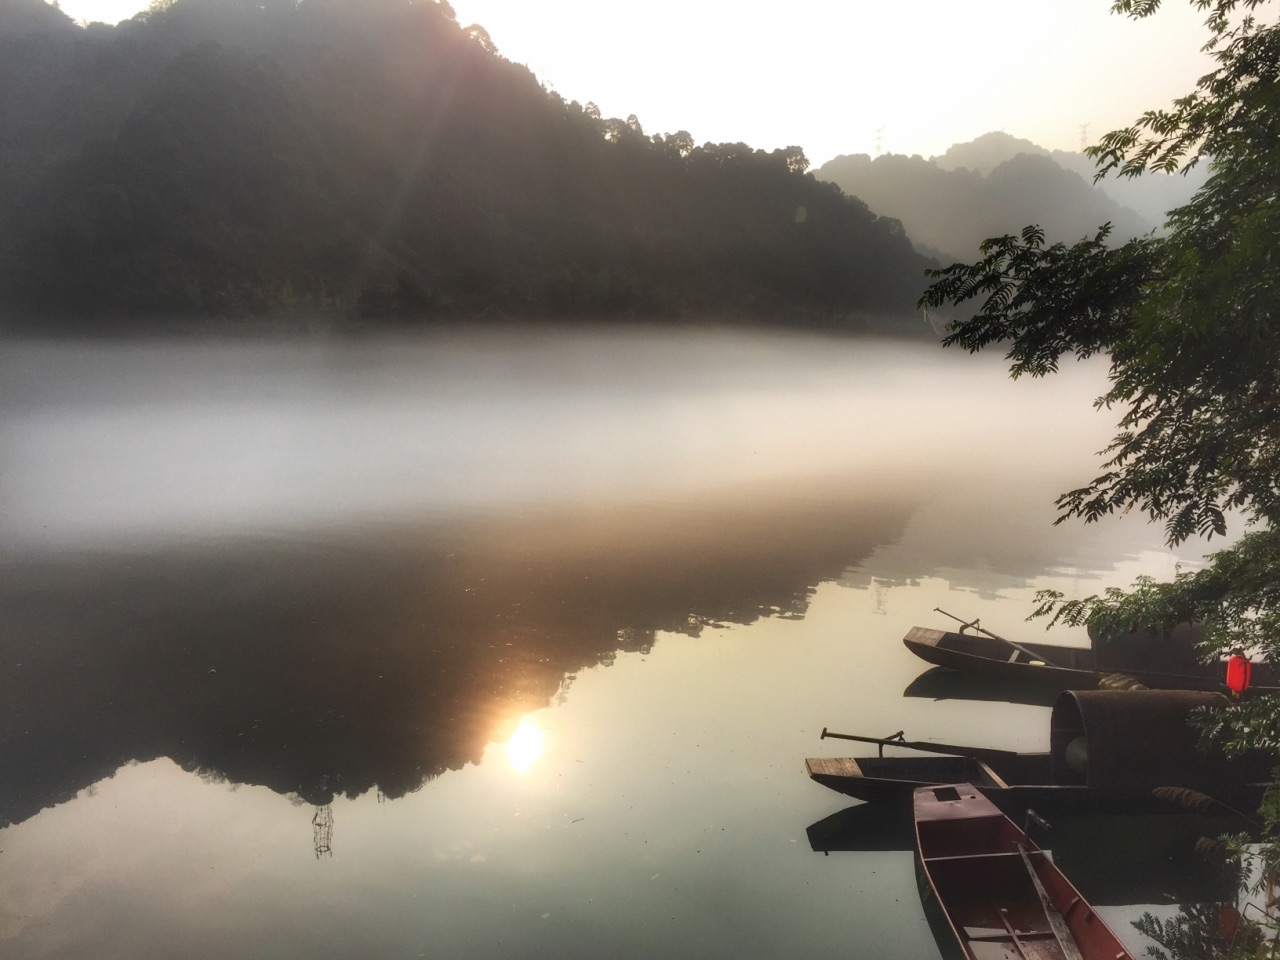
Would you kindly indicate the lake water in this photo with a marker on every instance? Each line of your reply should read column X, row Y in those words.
column 503, row 644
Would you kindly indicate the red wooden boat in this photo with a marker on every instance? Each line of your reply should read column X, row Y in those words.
column 990, row 892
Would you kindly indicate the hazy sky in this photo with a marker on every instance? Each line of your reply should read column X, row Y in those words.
column 829, row 74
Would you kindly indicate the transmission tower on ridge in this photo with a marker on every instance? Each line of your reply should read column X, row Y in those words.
column 322, row 830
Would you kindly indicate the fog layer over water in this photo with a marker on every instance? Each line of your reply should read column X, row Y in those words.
column 504, row 643
column 120, row 443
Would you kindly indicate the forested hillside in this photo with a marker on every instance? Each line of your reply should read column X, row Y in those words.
column 375, row 158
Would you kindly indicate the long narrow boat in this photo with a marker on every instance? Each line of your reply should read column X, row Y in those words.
column 990, row 892
column 1108, row 750
column 1067, row 668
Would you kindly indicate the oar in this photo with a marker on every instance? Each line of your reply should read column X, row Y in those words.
column 925, row 746
column 1017, row 646
column 1057, row 923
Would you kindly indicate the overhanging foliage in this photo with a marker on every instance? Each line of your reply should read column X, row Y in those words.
column 1189, row 322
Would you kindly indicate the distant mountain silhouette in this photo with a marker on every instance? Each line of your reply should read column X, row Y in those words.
column 983, row 154
column 948, row 213
column 1151, row 196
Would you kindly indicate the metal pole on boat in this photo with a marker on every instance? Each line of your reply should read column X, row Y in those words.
column 926, row 746
column 964, row 624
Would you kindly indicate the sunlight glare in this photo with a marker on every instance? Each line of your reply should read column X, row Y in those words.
column 525, row 746
column 102, row 11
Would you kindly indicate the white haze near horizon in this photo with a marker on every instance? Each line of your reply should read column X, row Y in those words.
column 108, row 444
column 843, row 76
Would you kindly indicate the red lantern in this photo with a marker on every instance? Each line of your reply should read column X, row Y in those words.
column 1238, row 670
column 1228, row 922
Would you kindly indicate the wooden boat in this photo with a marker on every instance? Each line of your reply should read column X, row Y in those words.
column 1072, row 668
column 1017, row 779
column 990, row 892
column 1108, row 750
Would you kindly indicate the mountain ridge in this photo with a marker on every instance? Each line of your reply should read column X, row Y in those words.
column 377, row 160
column 996, row 184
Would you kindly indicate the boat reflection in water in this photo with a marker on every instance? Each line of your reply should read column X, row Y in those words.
column 940, row 683
column 1114, row 859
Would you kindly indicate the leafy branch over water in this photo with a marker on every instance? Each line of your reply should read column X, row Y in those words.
column 1191, row 324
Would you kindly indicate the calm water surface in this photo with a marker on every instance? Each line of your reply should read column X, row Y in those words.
column 504, row 644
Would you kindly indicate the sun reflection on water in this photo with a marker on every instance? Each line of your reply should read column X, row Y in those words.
column 525, row 746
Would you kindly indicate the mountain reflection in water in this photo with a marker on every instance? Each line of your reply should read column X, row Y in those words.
column 332, row 667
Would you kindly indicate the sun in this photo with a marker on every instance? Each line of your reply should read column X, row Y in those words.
column 525, row 746
column 103, row 11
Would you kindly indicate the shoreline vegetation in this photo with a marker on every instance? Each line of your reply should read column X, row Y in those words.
column 376, row 162
column 303, row 322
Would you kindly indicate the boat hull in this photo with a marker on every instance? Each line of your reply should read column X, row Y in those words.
column 982, row 656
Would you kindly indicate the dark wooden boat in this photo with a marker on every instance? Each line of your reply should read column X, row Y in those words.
column 990, row 892
column 1076, row 668
column 1108, row 750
